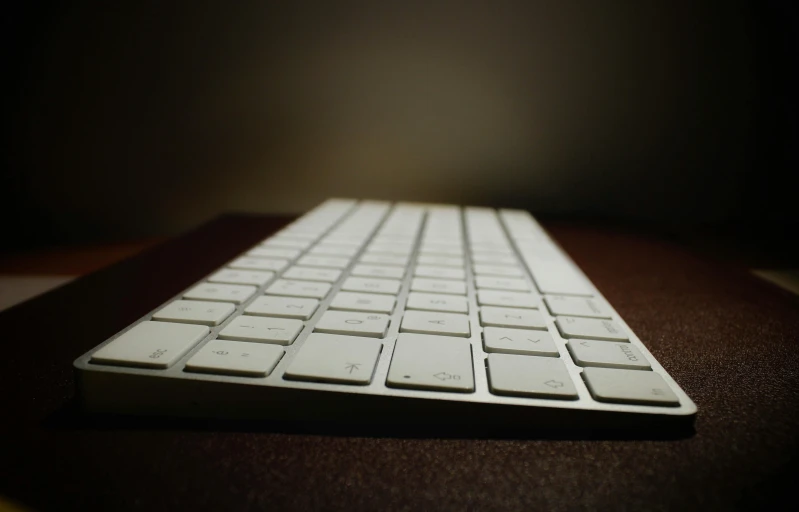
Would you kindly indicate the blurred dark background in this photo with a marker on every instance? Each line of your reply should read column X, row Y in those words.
column 129, row 119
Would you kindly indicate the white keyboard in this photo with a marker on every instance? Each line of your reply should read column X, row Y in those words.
column 390, row 312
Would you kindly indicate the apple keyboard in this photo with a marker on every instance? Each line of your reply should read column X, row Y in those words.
column 400, row 313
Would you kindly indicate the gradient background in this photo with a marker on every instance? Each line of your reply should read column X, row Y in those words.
column 146, row 118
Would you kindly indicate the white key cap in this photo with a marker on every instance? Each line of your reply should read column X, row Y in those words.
column 280, row 331
column 195, row 312
column 481, row 269
column 362, row 284
column 590, row 328
column 492, row 250
column 438, row 363
column 441, row 250
column 225, row 357
column 373, row 325
column 326, row 275
column 378, row 271
column 339, row 359
column 501, row 283
column 433, row 322
column 289, row 288
column 324, row 261
column 286, row 243
column 519, row 341
column 629, row 387
column 151, row 345
column 494, row 259
column 345, row 242
column 607, row 354
column 512, row 317
column 273, row 252
column 283, row 307
column 393, row 249
column 538, row 377
column 235, row 293
column 258, row 264
column 231, row 276
column 555, row 276
column 367, row 302
column 507, row 299
column 335, row 250
column 436, row 302
column 440, row 261
column 576, row 306
column 440, row 272
column 423, row 284
column 381, row 259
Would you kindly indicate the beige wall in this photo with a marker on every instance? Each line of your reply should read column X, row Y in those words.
column 150, row 119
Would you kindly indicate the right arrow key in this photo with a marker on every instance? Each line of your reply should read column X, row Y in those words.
column 532, row 376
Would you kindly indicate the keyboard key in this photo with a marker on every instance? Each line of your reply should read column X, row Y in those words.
column 441, row 250
column 423, row 284
column 289, row 288
column 273, row 252
column 430, row 322
column 537, row 377
column 392, row 249
column 195, row 312
column 367, row 302
column 519, row 341
column 512, row 317
column 607, row 354
column 481, row 269
column 492, row 250
column 337, row 359
column 440, row 261
column 225, row 357
column 501, row 283
column 494, row 259
column 378, row 271
column 440, row 272
column 381, row 259
column 326, row 275
column 253, row 277
column 435, row 302
column 234, row 293
column 335, row 250
column 287, row 243
column 507, row 299
column 258, row 264
column 280, row 331
column 151, row 345
column 629, row 387
column 362, row 284
column 283, row 307
column 576, row 306
column 590, row 328
column 373, row 325
column 324, row 261
column 437, row 363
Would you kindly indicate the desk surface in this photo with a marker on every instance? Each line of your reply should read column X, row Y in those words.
column 729, row 339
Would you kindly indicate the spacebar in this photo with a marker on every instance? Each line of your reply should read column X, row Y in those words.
column 556, row 277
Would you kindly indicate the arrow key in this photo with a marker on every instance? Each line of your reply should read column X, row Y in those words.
column 519, row 341
column 530, row 376
column 439, row 363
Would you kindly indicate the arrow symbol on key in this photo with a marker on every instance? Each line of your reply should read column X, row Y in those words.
column 554, row 383
column 352, row 367
column 533, row 341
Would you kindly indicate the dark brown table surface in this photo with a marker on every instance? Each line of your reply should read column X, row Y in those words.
column 729, row 339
